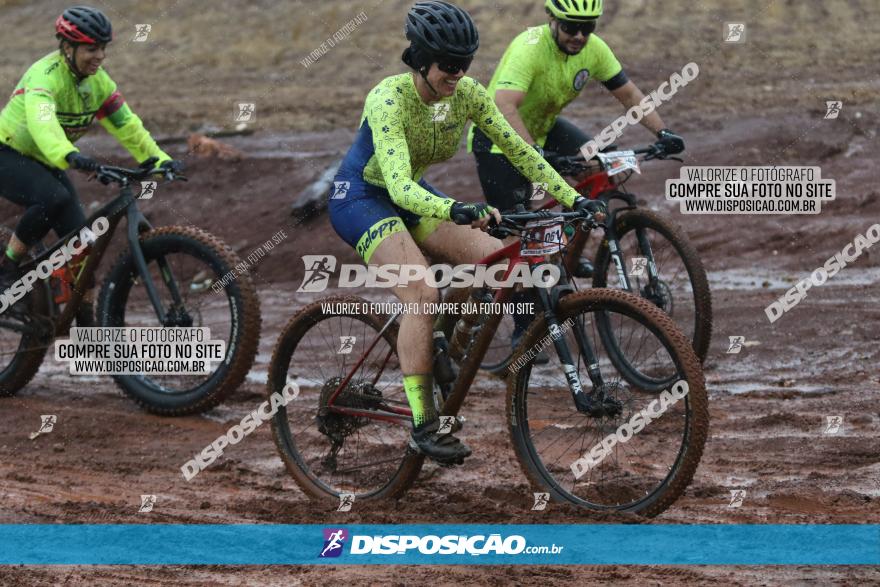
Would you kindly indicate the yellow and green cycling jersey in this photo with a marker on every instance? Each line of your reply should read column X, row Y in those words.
column 406, row 136
column 50, row 109
column 551, row 79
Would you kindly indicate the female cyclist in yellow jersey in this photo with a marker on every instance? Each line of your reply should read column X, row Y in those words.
column 382, row 206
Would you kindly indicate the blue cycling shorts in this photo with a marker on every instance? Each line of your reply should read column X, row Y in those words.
column 364, row 215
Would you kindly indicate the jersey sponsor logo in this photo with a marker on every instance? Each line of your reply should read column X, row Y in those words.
column 580, row 79
column 377, row 231
column 52, row 67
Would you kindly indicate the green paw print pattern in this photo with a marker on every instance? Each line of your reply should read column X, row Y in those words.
column 409, row 136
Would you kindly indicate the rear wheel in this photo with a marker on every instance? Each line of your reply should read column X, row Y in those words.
column 328, row 452
column 25, row 335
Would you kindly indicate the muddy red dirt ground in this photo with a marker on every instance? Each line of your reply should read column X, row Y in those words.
column 768, row 404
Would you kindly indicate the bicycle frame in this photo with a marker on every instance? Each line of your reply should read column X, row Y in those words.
column 125, row 203
column 469, row 366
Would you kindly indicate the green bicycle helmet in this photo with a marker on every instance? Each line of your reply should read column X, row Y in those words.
column 574, row 10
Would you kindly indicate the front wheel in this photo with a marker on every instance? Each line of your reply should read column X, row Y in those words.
column 640, row 451
column 680, row 288
column 185, row 264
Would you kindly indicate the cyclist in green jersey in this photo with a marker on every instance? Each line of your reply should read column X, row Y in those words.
column 540, row 73
column 52, row 106
column 382, row 206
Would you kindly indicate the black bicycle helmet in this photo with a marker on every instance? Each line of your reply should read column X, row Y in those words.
column 441, row 29
column 83, row 24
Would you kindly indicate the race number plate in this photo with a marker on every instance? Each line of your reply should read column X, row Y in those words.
column 619, row 161
column 542, row 237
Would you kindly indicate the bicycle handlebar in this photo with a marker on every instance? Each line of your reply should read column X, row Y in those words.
column 517, row 221
column 575, row 164
column 107, row 174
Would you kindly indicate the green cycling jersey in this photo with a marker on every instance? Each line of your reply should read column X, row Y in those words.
column 50, row 109
column 534, row 64
column 409, row 136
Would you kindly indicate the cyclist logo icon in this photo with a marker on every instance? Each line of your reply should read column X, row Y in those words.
column 580, row 80
column 736, row 32
column 446, row 423
column 736, row 498
column 340, row 189
column 141, row 32
column 319, row 268
column 334, row 539
column 639, row 264
column 148, row 188
column 346, row 344
column 541, row 501
column 346, row 500
column 47, row 423
column 147, row 502
column 832, row 109
column 539, row 191
column 245, row 112
column 441, row 109
column 736, row 344
column 832, row 424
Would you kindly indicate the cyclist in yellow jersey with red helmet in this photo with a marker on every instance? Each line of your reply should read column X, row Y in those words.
column 52, row 106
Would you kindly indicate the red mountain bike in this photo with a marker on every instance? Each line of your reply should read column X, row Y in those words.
column 348, row 429
column 641, row 252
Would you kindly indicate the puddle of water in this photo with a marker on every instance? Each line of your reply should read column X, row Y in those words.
column 755, row 278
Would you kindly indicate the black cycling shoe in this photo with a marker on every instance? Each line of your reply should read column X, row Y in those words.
column 584, row 269
column 443, row 448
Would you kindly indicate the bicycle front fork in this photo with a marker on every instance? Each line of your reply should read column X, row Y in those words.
column 587, row 403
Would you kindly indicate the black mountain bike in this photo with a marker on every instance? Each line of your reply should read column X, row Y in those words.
column 163, row 279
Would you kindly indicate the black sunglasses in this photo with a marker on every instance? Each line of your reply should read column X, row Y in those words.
column 453, row 65
column 571, row 28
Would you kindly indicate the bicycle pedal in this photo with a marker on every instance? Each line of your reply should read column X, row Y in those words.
column 449, row 463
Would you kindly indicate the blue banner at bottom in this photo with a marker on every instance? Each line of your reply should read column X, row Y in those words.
column 456, row 544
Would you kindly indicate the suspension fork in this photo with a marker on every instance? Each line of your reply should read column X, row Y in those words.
column 645, row 248
column 611, row 237
column 137, row 224
column 549, row 299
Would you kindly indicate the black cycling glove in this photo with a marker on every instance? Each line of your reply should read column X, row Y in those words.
column 670, row 142
column 174, row 166
column 592, row 206
column 464, row 214
column 77, row 160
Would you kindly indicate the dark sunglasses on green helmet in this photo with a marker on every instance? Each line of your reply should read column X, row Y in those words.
column 570, row 27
